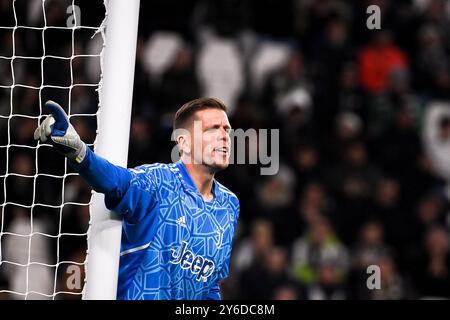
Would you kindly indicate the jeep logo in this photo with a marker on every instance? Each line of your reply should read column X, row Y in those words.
column 198, row 265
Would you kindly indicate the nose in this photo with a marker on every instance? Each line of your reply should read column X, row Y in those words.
column 225, row 135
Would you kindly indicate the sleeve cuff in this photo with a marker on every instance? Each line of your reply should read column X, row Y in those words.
column 83, row 164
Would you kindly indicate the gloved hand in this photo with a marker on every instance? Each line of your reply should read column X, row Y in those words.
column 62, row 135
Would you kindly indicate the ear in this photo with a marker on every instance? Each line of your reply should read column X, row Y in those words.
column 184, row 144
column 182, row 138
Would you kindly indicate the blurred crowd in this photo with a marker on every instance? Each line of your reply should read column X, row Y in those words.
column 364, row 119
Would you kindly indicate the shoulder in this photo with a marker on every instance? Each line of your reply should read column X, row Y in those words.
column 154, row 173
column 229, row 197
column 156, row 168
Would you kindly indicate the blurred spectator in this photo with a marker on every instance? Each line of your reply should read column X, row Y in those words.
column 158, row 52
column 268, row 57
column 260, row 280
column 400, row 128
column 224, row 80
column 436, row 19
column 393, row 285
column 353, row 181
column 313, row 17
column 277, row 192
column 329, row 285
column 367, row 251
column 287, row 96
column 82, row 101
column 370, row 247
column 19, row 188
column 141, row 142
column 286, row 292
column 23, row 272
column 348, row 94
column 317, row 247
column 347, row 128
column 306, row 164
column 313, row 201
column 436, row 137
column 430, row 211
column 433, row 275
column 178, row 83
column 388, row 212
column 433, row 62
column 355, row 175
column 253, row 249
column 436, row 13
column 226, row 17
column 378, row 60
column 330, row 54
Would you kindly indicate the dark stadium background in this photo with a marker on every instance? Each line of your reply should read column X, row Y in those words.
column 356, row 186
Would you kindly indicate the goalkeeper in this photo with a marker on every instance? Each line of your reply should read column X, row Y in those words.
column 178, row 222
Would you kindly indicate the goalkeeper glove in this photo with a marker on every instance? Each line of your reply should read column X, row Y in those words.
column 62, row 135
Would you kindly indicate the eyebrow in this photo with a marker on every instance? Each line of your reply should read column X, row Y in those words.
column 217, row 125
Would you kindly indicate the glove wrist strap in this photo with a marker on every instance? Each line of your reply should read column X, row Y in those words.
column 80, row 156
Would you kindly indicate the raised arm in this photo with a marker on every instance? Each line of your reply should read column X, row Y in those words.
column 101, row 175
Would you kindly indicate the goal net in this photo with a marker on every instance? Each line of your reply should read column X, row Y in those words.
column 49, row 49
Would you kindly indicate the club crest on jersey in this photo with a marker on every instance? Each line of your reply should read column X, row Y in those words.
column 181, row 221
column 198, row 265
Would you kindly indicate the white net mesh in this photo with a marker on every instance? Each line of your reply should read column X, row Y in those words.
column 48, row 50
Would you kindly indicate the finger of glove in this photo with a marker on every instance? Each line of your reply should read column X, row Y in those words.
column 45, row 129
column 37, row 133
column 61, row 119
column 48, row 125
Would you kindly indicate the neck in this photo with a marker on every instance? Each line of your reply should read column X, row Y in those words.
column 202, row 178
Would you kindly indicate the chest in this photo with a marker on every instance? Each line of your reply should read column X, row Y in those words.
column 195, row 233
column 188, row 218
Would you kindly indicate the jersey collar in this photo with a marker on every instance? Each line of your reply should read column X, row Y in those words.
column 189, row 183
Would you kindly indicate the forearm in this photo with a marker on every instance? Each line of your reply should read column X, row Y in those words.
column 103, row 176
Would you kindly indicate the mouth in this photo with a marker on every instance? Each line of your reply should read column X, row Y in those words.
column 222, row 150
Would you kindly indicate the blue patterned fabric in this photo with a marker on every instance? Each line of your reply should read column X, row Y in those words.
column 174, row 244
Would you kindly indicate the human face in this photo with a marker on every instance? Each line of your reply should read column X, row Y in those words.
column 211, row 135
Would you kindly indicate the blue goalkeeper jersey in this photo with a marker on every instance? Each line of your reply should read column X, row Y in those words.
column 174, row 244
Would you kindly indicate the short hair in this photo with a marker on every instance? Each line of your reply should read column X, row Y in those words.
column 187, row 111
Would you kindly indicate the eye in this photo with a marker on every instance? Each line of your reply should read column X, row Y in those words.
column 211, row 130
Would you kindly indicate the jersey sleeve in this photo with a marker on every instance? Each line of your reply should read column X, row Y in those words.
column 139, row 198
column 103, row 176
column 129, row 192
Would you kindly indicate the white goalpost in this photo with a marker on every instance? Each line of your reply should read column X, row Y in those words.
column 30, row 224
column 114, row 117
